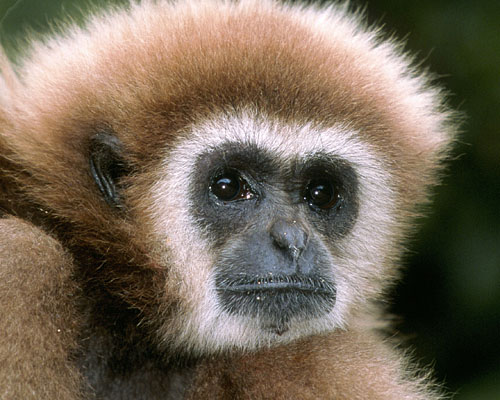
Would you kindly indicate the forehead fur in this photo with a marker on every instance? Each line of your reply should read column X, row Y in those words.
column 161, row 66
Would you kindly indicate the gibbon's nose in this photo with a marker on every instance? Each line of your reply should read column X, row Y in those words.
column 289, row 236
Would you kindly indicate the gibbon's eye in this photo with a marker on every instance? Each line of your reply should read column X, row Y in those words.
column 230, row 186
column 322, row 194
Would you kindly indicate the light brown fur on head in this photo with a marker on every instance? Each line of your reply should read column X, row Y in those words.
column 170, row 80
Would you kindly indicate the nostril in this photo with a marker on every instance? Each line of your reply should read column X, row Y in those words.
column 289, row 236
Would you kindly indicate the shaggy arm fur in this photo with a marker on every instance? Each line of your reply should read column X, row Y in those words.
column 37, row 319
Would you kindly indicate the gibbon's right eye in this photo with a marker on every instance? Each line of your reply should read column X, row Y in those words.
column 230, row 186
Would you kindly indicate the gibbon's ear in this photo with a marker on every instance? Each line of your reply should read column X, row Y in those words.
column 107, row 166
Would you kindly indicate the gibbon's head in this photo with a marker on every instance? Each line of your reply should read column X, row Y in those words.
column 246, row 171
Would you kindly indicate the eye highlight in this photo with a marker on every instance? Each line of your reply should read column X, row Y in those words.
column 321, row 194
column 230, row 186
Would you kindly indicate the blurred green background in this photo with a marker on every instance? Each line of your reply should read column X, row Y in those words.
column 449, row 300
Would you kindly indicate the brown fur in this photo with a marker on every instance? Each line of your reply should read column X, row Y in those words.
column 148, row 76
column 343, row 366
column 38, row 319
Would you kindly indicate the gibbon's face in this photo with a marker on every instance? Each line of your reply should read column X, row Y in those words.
column 273, row 230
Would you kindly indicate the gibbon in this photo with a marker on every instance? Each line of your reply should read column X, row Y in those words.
column 209, row 200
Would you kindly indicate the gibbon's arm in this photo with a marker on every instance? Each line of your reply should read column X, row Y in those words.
column 37, row 316
column 343, row 365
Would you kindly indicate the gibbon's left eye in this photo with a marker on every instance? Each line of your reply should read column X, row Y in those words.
column 230, row 186
column 322, row 194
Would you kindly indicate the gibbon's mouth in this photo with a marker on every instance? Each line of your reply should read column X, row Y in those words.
column 279, row 283
column 276, row 300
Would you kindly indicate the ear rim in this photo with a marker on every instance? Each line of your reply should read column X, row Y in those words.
column 106, row 157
